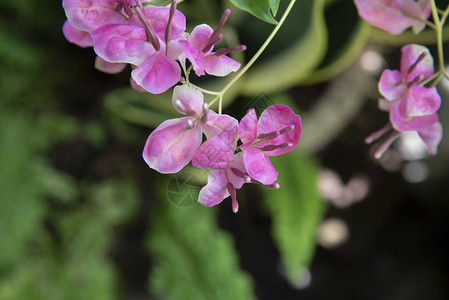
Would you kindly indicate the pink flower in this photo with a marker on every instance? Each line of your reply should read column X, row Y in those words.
column 395, row 16
column 223, row 183
column 88, row 15
column 277, row 131
column 416, row 65
column 198, row 50
column 412, row 107
column 149, row 44
column 79, row 37
column 173, row 144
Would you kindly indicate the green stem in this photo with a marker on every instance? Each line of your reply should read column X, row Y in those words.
column 439, row 33
column 259, row 52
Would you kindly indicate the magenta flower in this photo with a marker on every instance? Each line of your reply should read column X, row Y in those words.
column 152, row 45
column 223, row 183
column 173, row 144
column 412, row 107
column 277, row 131
column 416, row 65
column 395, row 16
column 198, row 50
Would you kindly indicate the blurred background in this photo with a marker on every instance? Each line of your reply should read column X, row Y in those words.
column 83, row 217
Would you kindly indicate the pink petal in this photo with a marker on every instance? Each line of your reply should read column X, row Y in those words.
column 191, row 100
column 157, row 74
column 88, row 15
column 172, row 145
column 122, row 44
column 410, row 53
column 432, row 136
column 220, row 65
column 218, row 124
column 238, row 164
column 387, row 14
column 158, row 19
column 215, row 190
column 216, row 152
column 420, row 101
column 384, row 105
column 391, row 84
column 425, row 9
column 76, row 36
column 276, row 118
column 107, row 67
column 401, row 123
column 248, row 127
column 195, row 56
column 259, row 166
column 199, row 36
column 135, row 86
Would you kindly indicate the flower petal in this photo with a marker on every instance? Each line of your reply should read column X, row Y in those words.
column 410, row 54
column 259, row 166
column 389, row 14
column 400, row 123
column 122, row 44
column 157, row 74
column 391, row 84
column 420, row 101
column 237, row 165
column 108, row 67
column 218, row 124
column 76, row 36
column 220, row 65
column 215, row 190
column 172, row 145
column 248, row 127
column 88, row 15
column 195, row 56
column 277, row 118
column 199, row 36
column 158, row 18
column 216, row 152
column 432, row 136
column 190, row 98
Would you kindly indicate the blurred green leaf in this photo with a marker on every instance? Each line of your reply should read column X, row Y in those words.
column 347, row 36
column 22, row 195
column 194, row 258
column 294, row 62
column 261, row 9
column 141, row 108
column 296, row 210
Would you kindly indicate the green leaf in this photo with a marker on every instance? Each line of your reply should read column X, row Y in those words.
column 296, row 210
column 274, row 6
column 300, row 47
column 192, row 254
column 259, row 8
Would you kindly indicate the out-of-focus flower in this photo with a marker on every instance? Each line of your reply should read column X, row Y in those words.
column 395, row 16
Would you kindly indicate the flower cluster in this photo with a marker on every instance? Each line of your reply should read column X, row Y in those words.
column 412, row 106
column 176, row 142
column 149, row 38
column 152, row 39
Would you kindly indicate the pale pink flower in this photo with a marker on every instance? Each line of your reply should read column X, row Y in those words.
column 395, row 16
column 277, row 131
column 198, row 50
